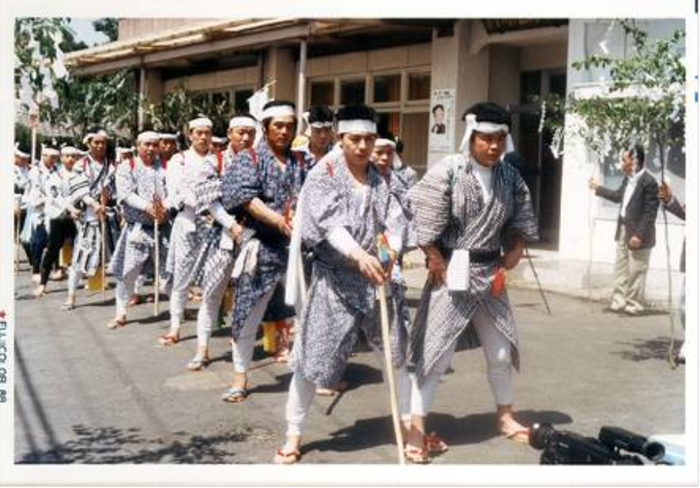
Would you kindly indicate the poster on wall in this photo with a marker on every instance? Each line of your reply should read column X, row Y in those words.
column 442, row 120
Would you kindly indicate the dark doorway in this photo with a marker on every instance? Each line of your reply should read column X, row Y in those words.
column 541, row 170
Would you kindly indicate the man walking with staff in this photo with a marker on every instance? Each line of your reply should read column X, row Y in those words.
column 345, row 205
column 141, row 192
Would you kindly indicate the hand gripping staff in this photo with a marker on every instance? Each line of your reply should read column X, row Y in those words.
column 384, row 255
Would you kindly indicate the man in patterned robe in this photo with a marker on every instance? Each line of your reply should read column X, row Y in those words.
column 92, row 191
column 320, row 132
column 182, row 176
column 21, row 180
column 468, row 208
column 345, row 205
column 217, row 196
column 274, row 174
column 384, row 159
column 37, row 195
column 60, row 213
column 142, row 194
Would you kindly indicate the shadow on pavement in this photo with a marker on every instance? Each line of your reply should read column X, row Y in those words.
column 470, row 429
column 643, row 350
column 112, row 445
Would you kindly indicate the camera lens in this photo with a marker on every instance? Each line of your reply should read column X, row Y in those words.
column 538, row 435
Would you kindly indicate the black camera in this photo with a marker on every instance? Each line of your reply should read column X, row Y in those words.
column 564, row 447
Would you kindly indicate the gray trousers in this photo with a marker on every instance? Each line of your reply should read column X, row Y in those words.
column 630, row 276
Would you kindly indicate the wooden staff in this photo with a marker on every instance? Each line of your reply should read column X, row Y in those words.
column 386, row 340
column 17, row 244
column 103, row 231
column 156, row 260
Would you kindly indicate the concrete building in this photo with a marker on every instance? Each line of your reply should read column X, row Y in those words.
column 409, row 70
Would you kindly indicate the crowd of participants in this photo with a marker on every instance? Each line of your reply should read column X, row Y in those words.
column 294, row 234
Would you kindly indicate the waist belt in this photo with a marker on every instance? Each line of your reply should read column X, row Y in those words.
column 477, row 256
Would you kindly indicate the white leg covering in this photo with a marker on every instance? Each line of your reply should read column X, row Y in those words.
column 125, row 288
column 74, row 277
column 208, row 312
column 403, row 386
column 242, row 350
column 498, row 360
column 422, row 396
column 301, row 394
column 138, row 284
column 178, row 300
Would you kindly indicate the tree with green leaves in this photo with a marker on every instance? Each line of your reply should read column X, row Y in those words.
column 68, row 103
column 179, row 106
column 109, row 26
column 644, row 101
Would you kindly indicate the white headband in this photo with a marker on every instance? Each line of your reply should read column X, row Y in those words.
column 120, row 150
column 200, row 122
column 278, row 111
column 219, row 140
column 50, row 151
column 68, row 150
column 485, row 128
column 242, row 122
column 381, row 142
column 90, row 135
column 320, row 125
column 148, row 136
column 357, row 125
column 165, row 135
column 21, row 154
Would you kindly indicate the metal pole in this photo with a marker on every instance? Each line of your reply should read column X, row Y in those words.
column 537, row 280
column 142, row 97
column 301, row 84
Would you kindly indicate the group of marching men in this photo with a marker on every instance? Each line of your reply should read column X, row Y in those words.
column 307, row 236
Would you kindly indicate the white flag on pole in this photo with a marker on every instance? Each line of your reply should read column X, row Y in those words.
column 255, row 106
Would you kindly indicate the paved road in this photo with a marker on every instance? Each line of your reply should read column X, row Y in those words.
column 86, row 394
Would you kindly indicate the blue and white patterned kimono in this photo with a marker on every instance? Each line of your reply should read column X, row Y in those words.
column 90, row 179
column 278, row 188
column 137, row 240
column 451, row 213
column 218, row 182
column 341, row 302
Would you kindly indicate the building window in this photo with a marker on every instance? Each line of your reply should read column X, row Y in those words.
column 240, row 100
column 352, row 91
column 221, row 99
column 322, row 93
column 418, row 86
column 401, row 99
column 387, row 88
column 389, row 124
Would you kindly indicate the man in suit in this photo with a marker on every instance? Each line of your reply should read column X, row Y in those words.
column 636, row 232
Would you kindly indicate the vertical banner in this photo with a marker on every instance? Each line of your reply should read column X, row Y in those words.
column 442, row 120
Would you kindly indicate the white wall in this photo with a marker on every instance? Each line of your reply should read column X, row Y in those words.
column 586, row 225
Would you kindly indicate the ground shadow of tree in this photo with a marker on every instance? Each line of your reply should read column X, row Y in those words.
column 643, row 350
column 111, row 445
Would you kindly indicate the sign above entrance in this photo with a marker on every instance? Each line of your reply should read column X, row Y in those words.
column 442, row 120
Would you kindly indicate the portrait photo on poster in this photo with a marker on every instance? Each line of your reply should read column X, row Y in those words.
column 442, row 120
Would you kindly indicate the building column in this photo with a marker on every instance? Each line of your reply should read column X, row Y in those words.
column 279, row 66
column 455, row 67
